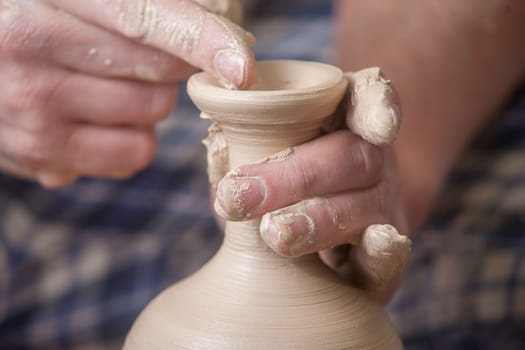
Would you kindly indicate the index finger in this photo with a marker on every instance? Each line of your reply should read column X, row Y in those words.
column 182, row 28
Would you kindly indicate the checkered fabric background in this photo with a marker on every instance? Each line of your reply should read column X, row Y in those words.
column 78, row 264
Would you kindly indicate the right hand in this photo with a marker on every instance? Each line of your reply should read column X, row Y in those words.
column 84, row 82
column 340, row 195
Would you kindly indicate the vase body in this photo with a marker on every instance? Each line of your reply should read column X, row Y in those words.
column 246, row 296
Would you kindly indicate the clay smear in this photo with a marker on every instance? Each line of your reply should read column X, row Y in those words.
column 382, row 254
column 217, row 153
column 283, row 220
column 277, row 157
column 144, row 18
column 236, row 191
column 373, row 112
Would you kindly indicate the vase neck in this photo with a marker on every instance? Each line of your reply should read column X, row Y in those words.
column 243, row 237
column 252, row 144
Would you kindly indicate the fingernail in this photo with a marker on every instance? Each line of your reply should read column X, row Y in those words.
column 53, row 180
column 238, row 198
column 230, row 68
column 289, row 234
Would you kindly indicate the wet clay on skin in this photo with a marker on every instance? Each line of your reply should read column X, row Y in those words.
column 247, row 296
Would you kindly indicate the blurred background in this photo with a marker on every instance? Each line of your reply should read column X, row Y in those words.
column 78, row 264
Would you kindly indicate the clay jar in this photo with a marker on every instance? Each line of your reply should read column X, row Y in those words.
column 246, row 296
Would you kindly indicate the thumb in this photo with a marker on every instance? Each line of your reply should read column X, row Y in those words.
column 182, row 28
column 373, row 110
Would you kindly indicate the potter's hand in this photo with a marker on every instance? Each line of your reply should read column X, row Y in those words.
column 321, row 196
column 84, row 82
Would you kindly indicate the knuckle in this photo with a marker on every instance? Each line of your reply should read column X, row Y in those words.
column 13, row 38
column 143, row 20
column 21, row 37
column 36, row 121
column 33, row 151
column 136, row 18
column 27, row 100
column 21, row 93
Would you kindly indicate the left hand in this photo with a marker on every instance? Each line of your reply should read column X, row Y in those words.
column 322, row 195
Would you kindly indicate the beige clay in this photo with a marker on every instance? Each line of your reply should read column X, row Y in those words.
column 217, row 154
column 372, row 112
column 380, row 256
column 248, row 297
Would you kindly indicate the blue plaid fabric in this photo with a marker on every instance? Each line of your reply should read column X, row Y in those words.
column 78, row 264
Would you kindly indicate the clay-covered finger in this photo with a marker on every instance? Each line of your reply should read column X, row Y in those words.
column 337, row 162
column 373, row 110
column 182, row 28
column 40, row 33
column 380, row 258
column 319, row 223
column 375, row 263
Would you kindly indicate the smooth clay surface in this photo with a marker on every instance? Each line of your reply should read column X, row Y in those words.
column 248, row 297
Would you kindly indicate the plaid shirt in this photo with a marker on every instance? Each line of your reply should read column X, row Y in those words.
column 78, row 264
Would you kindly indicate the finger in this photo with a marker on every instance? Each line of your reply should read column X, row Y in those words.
column 300, row 173
column 112, row 102
column 68, row 151
column 117, row 151
column 52, row 179
column 48, row 35
column 320, row 223
column 376, row 263
column 380, row 258
column 340, row 260
column 56, row 178
column 38, row 96
column 373, row 107
column 9, row 167
column 182, row 28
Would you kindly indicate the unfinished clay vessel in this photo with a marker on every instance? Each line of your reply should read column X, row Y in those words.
column 248, row 297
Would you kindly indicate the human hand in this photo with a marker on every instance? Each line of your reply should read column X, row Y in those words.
column 84, row 82
column 327, row 195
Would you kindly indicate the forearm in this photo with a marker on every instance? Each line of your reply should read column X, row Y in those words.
column 453, row 64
